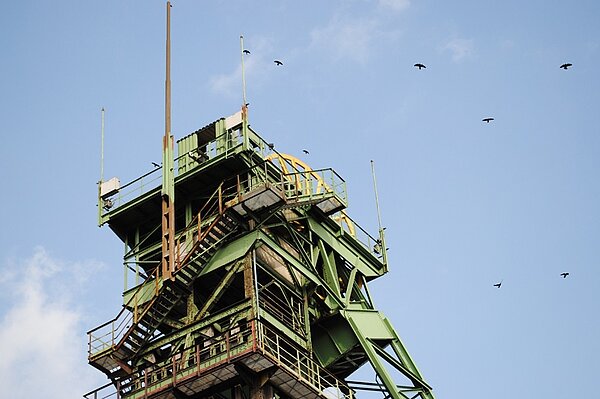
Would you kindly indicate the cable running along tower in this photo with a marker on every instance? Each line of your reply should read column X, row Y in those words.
column 245, row 278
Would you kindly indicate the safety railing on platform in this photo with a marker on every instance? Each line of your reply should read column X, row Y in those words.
column 299, row 363
column 253, row 336
column 108, row 335
column 314, row 184
column 192, row 154
column 221, row 146
column 307, row 184
column 260, row 145
column 213, row 352
column 131, row 190
column 349, row 226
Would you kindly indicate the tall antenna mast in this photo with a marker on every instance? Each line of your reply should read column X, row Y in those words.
column 168, row 183
column 243, row 71
column 102, row 148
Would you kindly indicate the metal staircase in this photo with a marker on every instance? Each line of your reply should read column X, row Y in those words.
column 114, row 344
column 156, row 312
column 205, row 247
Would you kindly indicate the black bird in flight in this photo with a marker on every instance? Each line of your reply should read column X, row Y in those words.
column 420, row 66
column 306, row 152
column 155, row 165
column 564, row 275
column 498, row 285
column 487, row 120
column 246, row 51
column 278, row 63
column 566, row 66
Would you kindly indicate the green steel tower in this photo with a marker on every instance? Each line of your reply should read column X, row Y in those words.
column 244, row 279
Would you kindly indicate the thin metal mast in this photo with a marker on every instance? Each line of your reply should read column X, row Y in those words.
column 246, row 144
column 381, row 242
column 168, row 74
column 102, row 148
column 376, row 196
column 168, row 184
column 243, row 71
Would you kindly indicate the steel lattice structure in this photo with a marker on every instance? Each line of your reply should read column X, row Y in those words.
column 244, row 278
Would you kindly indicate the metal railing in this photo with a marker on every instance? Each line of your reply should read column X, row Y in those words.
column 360, row 235
column 260, row 145
column 250, row 337
column 313, row 185
column 213, row 352
column 104, row 392
column 299, row 364
column 131, row 190
column 288, row 311
column 106, row 336
column 221, row 146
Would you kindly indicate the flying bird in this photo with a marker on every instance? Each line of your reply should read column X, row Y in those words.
column 246, row 51
column 564, row 275
column 278, row 63
column 566, row 66
column 498, row 285
column 487, row 120
column 420, row 66
column 306, row 152
column 155, row 165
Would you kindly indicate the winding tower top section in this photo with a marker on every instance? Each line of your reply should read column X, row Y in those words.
column 244, row 278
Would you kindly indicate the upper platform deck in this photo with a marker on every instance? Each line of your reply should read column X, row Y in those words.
column 226, row 150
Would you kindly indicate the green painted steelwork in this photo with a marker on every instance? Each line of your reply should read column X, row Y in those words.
column 257, row 242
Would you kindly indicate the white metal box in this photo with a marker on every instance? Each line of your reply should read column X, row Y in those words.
column 110, row 187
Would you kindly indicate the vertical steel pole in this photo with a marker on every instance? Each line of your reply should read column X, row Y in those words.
column 198, row 358
column 381, row 231
column 168, row 74
column 102, row 148
column 168, row 184
column 243, row 72
column 246, row 142
column 376, row 196
column 100, row 204
column 255, row 272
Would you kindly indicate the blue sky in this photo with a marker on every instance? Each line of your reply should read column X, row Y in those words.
column 466, row 204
